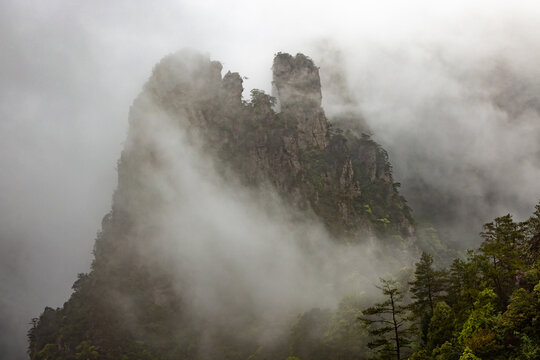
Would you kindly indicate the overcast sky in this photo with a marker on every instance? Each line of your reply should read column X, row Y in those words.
column 70, row 69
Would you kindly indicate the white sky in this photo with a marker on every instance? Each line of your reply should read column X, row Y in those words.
column 70, row 70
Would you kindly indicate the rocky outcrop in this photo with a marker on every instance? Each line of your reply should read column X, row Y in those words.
column 232, row 89
column 298, row 85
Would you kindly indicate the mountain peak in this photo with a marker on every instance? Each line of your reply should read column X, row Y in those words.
column 297, row 81
column 190, row 132
column 298, row 87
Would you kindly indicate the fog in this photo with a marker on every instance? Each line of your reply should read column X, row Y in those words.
column 426, row 78
column 462, row 126
column 239, row 256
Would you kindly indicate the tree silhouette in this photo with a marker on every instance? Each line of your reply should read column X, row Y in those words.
column 389, row 321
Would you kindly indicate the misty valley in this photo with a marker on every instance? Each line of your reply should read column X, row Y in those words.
column 269, row 228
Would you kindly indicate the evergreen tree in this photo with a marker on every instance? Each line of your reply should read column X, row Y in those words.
column 531, row 247
column 389, row 322
column 427, row 286
column 465, row 281
column 503, row 239
column 426, row 289
column 441, row 326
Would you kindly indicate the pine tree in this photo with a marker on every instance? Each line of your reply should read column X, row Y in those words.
column 389, row 322
column 427, row 286
column 503, row 239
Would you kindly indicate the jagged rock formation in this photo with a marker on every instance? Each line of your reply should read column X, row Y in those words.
column 299, row 92
column 344, row 180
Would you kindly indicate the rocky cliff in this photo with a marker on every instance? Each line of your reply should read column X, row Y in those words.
column 284, row 143
column 345, row 180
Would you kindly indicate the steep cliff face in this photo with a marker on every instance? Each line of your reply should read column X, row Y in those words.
column 345, row 181
column 298, row 86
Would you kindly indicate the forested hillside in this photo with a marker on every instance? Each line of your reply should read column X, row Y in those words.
column 486, row 305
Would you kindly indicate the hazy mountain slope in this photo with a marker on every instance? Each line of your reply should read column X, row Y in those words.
column 164, row 283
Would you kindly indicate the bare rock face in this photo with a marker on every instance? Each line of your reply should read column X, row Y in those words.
column 298, row 86
column 184, row 78
column 297, row 81
column 232, row 88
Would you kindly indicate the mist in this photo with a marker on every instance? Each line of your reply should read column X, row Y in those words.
column 462, row 126
column 240, row 256
column 421, row 75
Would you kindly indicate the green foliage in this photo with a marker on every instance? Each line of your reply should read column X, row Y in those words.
column 464, row 283
column 521, row 311
column 49, row 352
column 441, row 326
column 529, row 350
column 86, row 351
column 482, row 317
column 487, row 305
column 501, row 248
column 447, row 351
column 426, row 288
column 469, row 355
column 420, row 355
column 428, row 285
column 261, row 102
column 348, row 188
